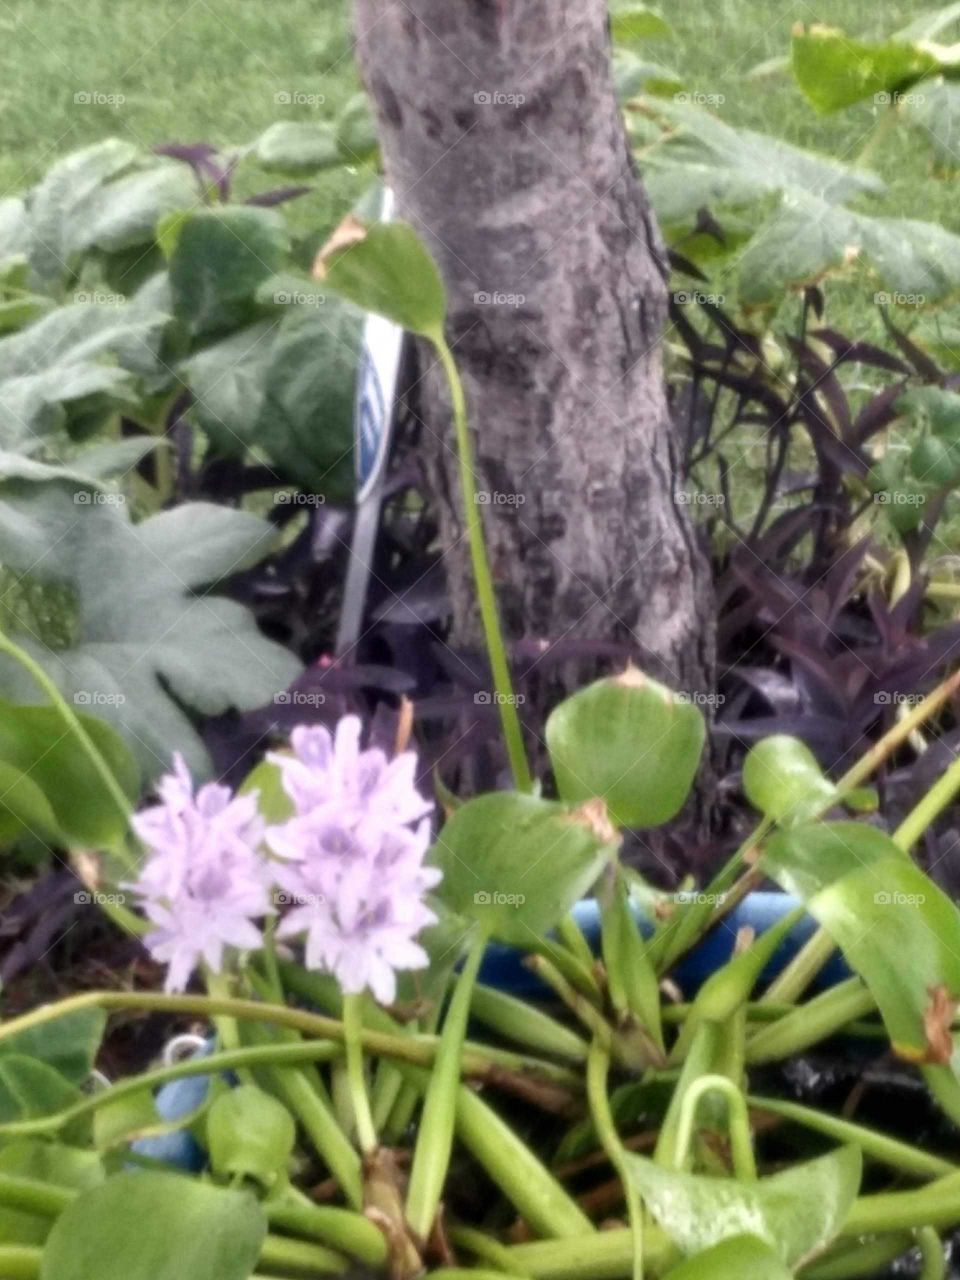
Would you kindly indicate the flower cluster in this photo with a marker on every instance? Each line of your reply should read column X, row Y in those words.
column 204, row 882
column 349, row 864
column 352, row 863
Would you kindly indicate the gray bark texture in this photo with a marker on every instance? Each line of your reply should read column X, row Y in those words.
column 503, row 142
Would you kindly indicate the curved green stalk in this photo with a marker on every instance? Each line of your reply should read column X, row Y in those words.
column 431, row 1156
column 933, row 1258
column 738, row 1124
column 598, row 1068
column 489, row 615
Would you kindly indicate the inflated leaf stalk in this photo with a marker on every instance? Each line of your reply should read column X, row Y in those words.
column 250, row 1134
column 630, row 741
column 385, row 268
column 784, row 781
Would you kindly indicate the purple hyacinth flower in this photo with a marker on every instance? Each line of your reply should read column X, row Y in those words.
column 204, row 880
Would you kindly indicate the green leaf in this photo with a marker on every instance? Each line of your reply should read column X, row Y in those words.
column 68, row 356
column 155, row 1226
column 702, row 161
column 934, row 461
column 219, row 259
column 30, row 1088
column 902, row 935
column 630, row 21
column 783, row 780
column 632, row 742
column 286, row 391
column 56, row 206
column 251, row 1134
column 834, row 70
column 520, row 862
column 151, row 645
column 125, row 1118
column 49, row 1162
column 935, row 114
column 796, row 1213
column 937, row 407
column 386, row 268
column 124, row 213
column 357, row 132
column 737, row 1258
column 69, row 1045
column 804, row 858
column 35, row 741
column 300, row 147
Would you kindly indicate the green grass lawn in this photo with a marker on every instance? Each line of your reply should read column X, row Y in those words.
column 219, row 71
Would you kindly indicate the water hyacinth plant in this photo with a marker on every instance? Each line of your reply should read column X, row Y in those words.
column 373, row 1104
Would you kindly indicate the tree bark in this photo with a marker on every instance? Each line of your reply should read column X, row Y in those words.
column 504, row 144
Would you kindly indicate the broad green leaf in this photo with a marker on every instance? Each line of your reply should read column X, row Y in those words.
column 155, row 1226
column 35, row 741
column 151, row 646
column 356, row 132
column 126, row 1118
column 737, row 1258
column 803, row 859
column 49, row 1162
column 937, row 407
column 935, row 461
column 633, row 75
column 219, row 258
column 386, row 268
column 518, row 864
column 702, row 161
column 251, row 1134
column 124, row 213
column 56, row 205
column 902, row 935
column 24, row 809
column 796, row 1212
column 298, row 146
column 30, row 1088
column 783, row 780
column 286, row 390
column 632, row 742
column 68, row 356
column 935, row 113
column 916, row 262
column 835, row 70
column 630, row 21
column 69, row 1045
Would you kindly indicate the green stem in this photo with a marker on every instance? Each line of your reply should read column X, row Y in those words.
column 431, row 1156
column 793, row 980
column 493, row 635
column 850, row 1259
column 526, row 1025
column 214, row 1064
column 929, row 808
column 20, row 1262
column 903, row 1157
column 356, row 1074
column 598, row 1069
column 933, row 1258
column 484, row 1247
column 478, row 1060
column 738, row 1122
column 935, row 1205
column 342, row 1229
column 74, row 727
column 300, row 1256
column 811, row 1022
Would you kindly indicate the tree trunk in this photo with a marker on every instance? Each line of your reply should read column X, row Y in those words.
column 504, row 144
